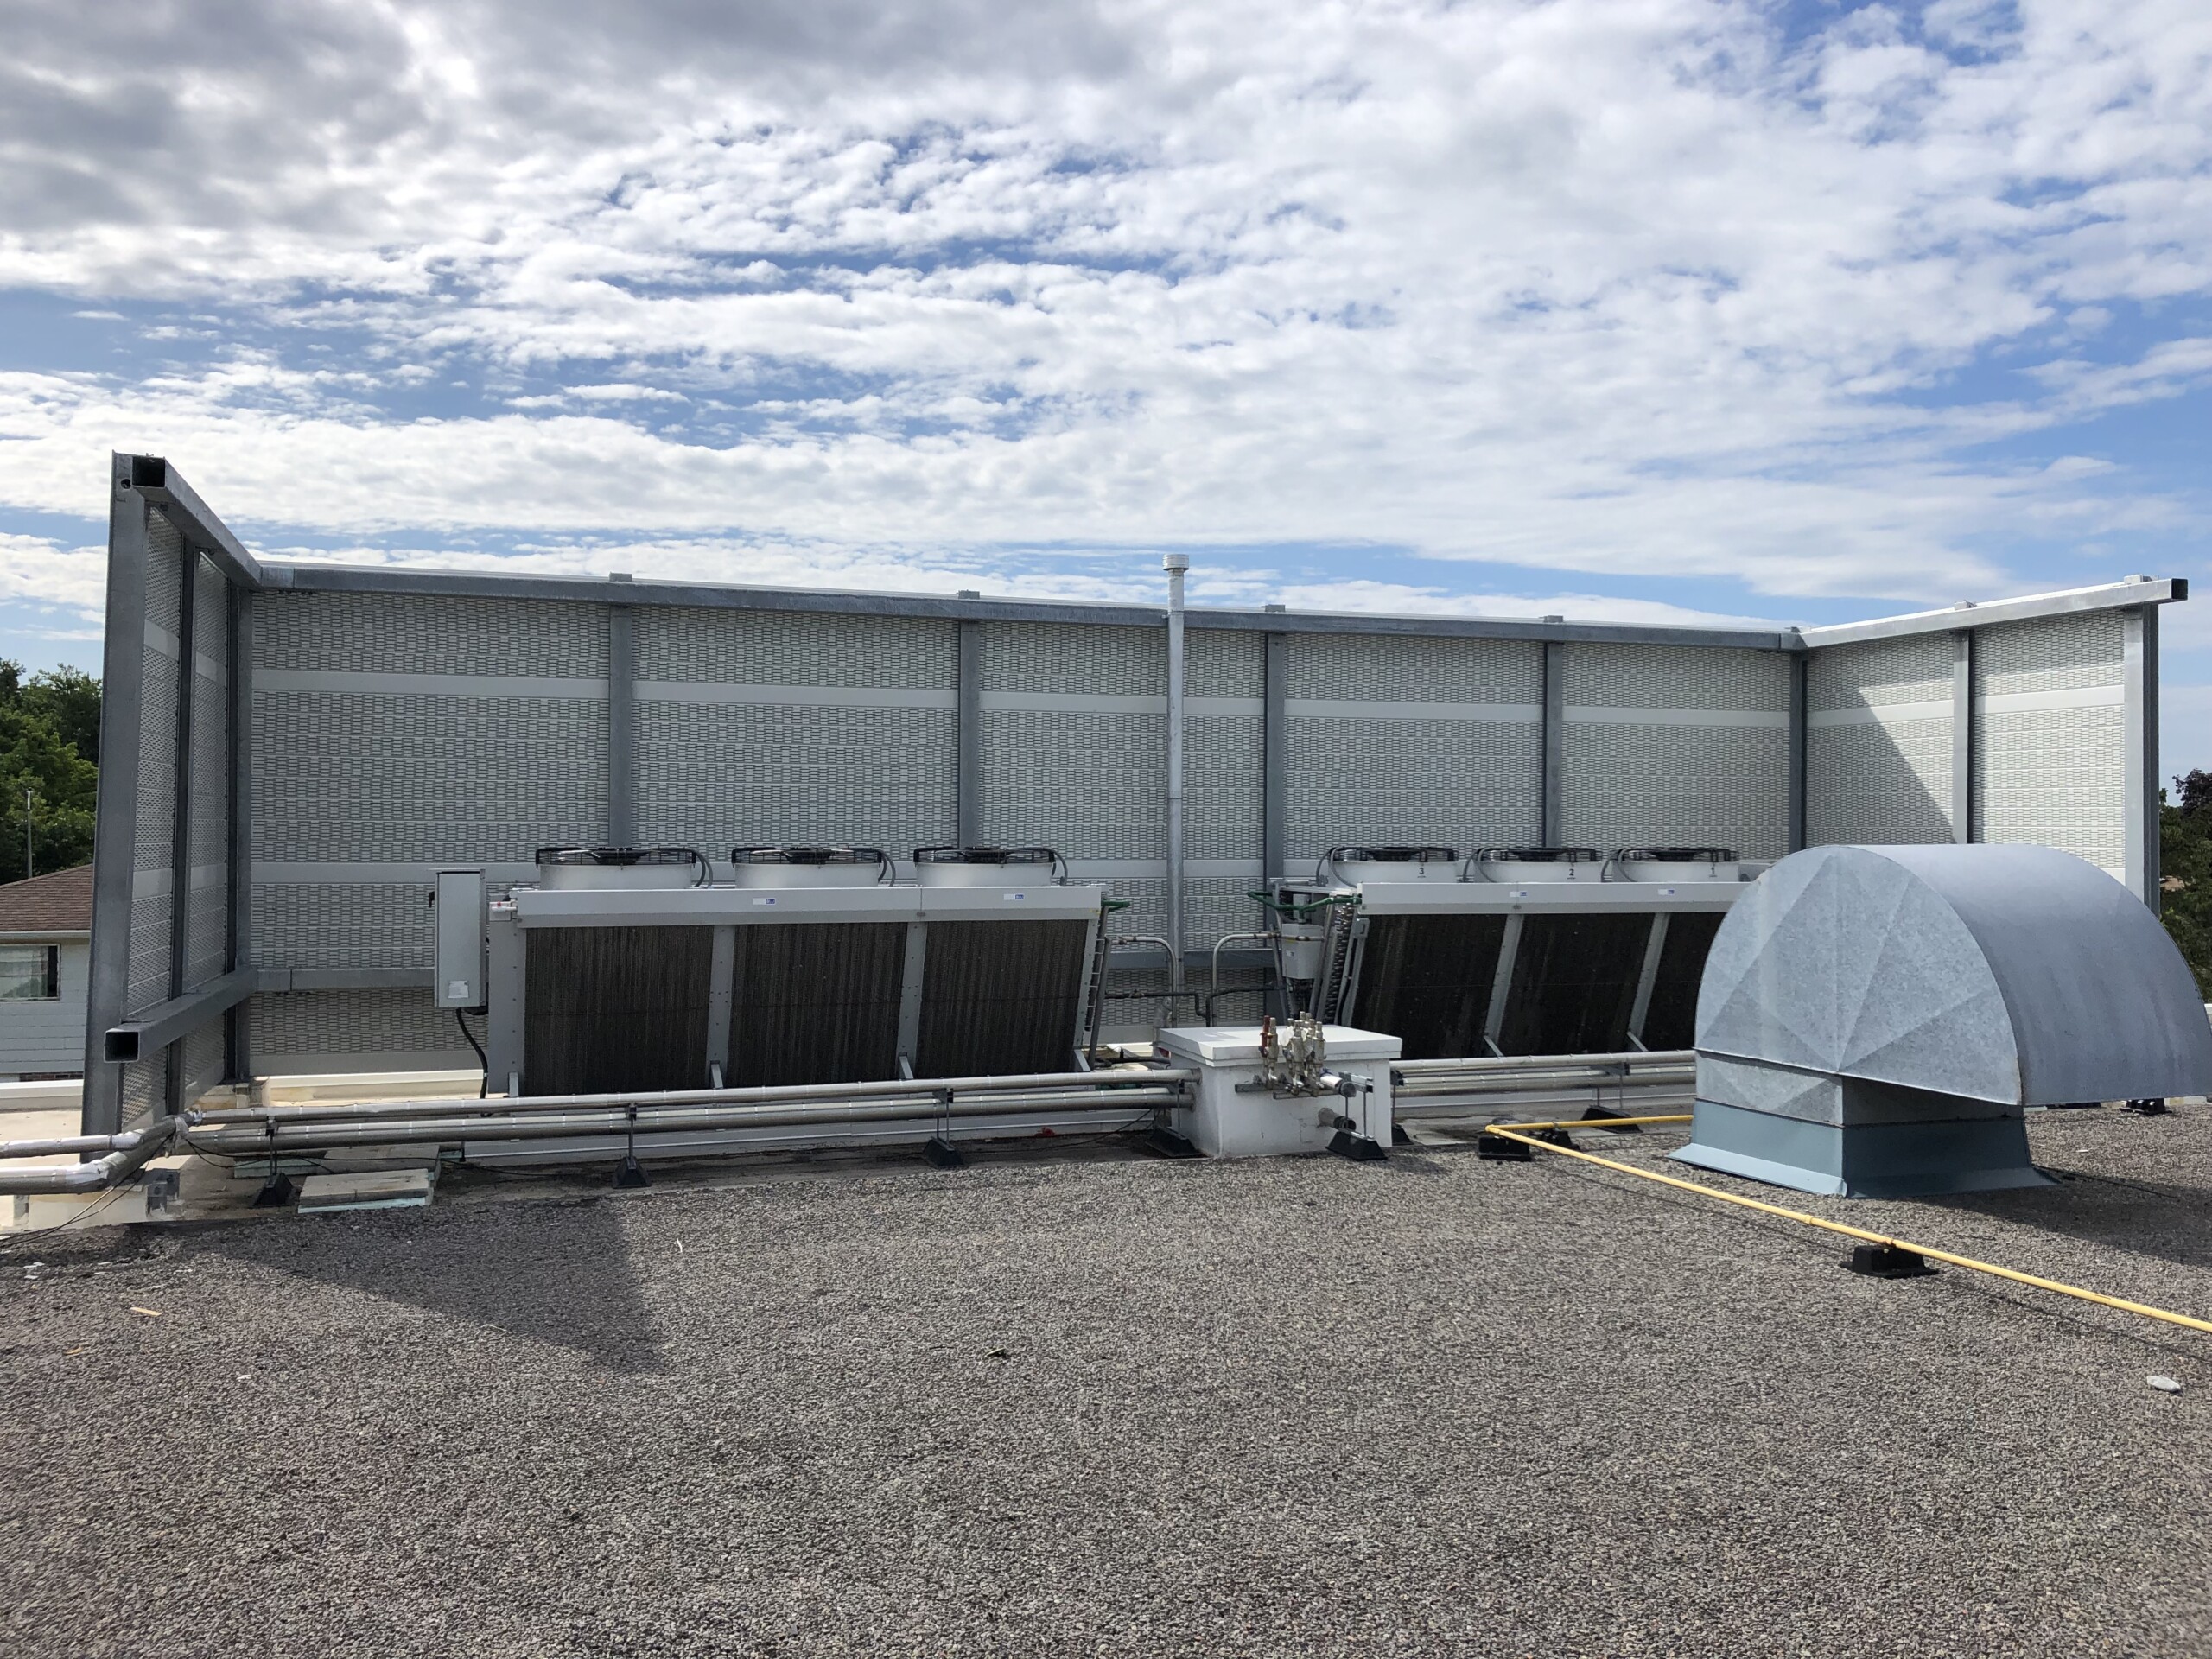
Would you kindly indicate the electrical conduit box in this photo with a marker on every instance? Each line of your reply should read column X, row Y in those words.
column 458, row 908
column 1236, row 1116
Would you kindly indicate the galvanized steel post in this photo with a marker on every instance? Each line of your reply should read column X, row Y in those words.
column 622, row 720
column 115, row 832
column 2140, row 744
column 1175, row 564
column 1961, row 806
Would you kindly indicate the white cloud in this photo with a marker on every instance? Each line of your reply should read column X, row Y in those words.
column 42, row 572
column 1614, row 291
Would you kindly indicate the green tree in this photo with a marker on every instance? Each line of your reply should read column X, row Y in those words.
column 68, row 699
column 49, row 732
column 2185, row 872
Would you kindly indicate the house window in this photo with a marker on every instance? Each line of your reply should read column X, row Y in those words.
column 31, row 973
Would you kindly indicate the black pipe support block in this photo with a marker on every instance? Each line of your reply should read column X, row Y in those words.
column 276, row 1192
column 1162, row 1142
column 1888, row 1262
column 1499, row 1150
column 1595, row 1117
column 942, row 1153
column 1358, row 1147
column 631, row 1173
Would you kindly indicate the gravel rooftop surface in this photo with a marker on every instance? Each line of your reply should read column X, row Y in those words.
column 1103, row 1404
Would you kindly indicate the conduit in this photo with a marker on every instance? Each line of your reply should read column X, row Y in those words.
column 1865, row 1236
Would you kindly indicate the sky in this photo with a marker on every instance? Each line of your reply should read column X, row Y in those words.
column 1632, row 309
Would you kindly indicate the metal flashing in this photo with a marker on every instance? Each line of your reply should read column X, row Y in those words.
column 2111, row 595
column 338, row 578
column 161, row 484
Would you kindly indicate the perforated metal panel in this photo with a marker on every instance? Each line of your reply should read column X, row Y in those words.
column 1457, row 783
column 345, row 778
column 202, row 1063
column 144, row 1088
column 1094, row 785
column 342, row 924
column 1676, row 677
column 1063, row 659
column 345, row 1030
column 152, row 835
column 1386, row 668
column 428, row 633
column 2054, row 654
column 1877, row 751
column 1879, row 783
column 1702, row 786
column 1674, row 745
column 795, row 648
column 1222, row 662
column 2050, row 759
column 721, row 775
column 1914, row 668
column 209, row 913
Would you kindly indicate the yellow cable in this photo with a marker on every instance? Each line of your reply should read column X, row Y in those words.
column 1860, row 1233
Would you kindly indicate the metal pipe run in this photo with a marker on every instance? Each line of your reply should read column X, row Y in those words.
column 1865, row 1236
column 244, row 1140
column 127, row 1153
column 1638, row 1059
column 1101, row 1085
column 1175, row 564
column 1435, row 1088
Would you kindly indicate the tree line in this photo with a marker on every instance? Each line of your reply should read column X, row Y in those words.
column 50, row 748
column 2185, row 871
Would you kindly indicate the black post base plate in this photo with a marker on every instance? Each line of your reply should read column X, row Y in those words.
column 1888, row 1262
column 630, row 1173
column 942, row 1153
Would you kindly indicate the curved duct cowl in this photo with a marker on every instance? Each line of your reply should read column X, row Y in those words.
column 1873, row 1018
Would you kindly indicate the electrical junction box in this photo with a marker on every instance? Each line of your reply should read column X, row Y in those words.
column 1229, row 1123
column 457, row 905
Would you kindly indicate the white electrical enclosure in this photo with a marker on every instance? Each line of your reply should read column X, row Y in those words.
column 1227, row 1122
column 458, row 968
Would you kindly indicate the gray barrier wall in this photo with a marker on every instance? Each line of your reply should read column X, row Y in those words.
column 352, row 731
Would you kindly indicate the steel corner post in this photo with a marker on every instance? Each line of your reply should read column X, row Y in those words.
column 1176, row 565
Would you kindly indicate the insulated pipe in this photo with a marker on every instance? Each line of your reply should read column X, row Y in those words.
column 124, row 1160
column 242, row 1140
column 1175, row 564
column 1102, row 1084
column 1636, row 1059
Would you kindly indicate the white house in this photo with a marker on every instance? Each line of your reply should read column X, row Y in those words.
column 46, row 932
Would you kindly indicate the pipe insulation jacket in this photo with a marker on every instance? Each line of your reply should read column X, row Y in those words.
column 120, row 1162
column 278, row 1133
column 1093, row 1083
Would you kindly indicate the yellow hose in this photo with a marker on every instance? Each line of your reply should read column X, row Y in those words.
column 1861, row 1234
